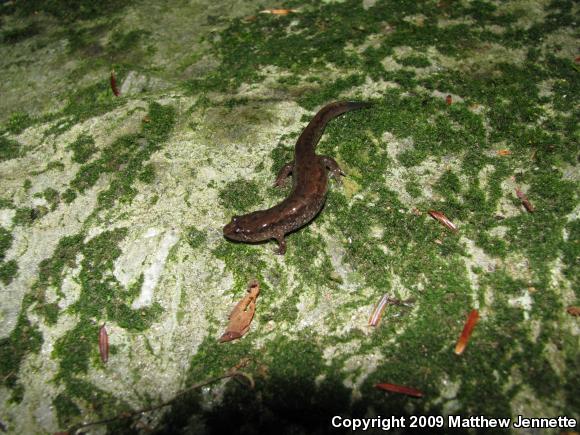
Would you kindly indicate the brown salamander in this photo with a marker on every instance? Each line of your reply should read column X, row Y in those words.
column 310, row 182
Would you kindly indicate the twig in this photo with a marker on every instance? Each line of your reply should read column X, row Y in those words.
column 124, row 415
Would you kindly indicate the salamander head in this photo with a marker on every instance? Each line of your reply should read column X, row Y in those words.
column 245, row 229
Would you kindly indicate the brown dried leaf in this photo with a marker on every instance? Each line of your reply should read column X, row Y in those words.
column 573, row 311
column 503, row 152
column 242, row 314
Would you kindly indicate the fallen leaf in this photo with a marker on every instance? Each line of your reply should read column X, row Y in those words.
column 573, row 311
column 242, row 314
column 394, row 388
column 448, row 100
column 504, row 152
column 466, row 333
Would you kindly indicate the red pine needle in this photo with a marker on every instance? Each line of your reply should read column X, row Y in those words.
column 525, row 201
column 394, row 388
column 278, row 11
column 467, row 330
column 104, row 344
column 443, row 219
column 114, row 87
column 378, row 311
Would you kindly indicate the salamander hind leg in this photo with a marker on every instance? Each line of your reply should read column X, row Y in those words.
column 283, row 174
column 281, row 244
column 332, row 166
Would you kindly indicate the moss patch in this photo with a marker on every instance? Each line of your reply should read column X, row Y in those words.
column 9, row 149
column 83, row 148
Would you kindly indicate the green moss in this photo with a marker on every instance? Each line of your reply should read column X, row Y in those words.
column 18, row 122
column 136, row 320
column 305, row 250
column 8, row 271
column 571, row 252
column 83, row 104
column 240, row 196
column 70, row 10
column 121, row 42
column 330, row 91
column 243, row 260
column 77, row 344
column 413, row 188
column 83, row 148
column 415, row 61
column 448, row 184
column 52, row 197
column 102, row 402
column 492, row 245
column 24, row 216
column 24, row 338
column 50, row 312
column 101, row 297
column 66, row 410
column 51, row 270
column 6, row 239
column 6, row 203
column 9, row 149
column 124, row 158
column 69, row 196
column 27, row 185
column 18, row 34
column 195, row 238
column 147, row 175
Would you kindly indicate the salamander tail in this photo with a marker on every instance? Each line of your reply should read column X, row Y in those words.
column 354, row 105
column 311, row 134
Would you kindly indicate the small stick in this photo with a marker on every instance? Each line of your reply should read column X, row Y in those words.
column 230, row 374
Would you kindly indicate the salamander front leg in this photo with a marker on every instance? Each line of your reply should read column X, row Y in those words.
column 283, row 174
column 332, row 166
column 281, row 244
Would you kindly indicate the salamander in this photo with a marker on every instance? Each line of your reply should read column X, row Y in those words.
column 309, row 186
